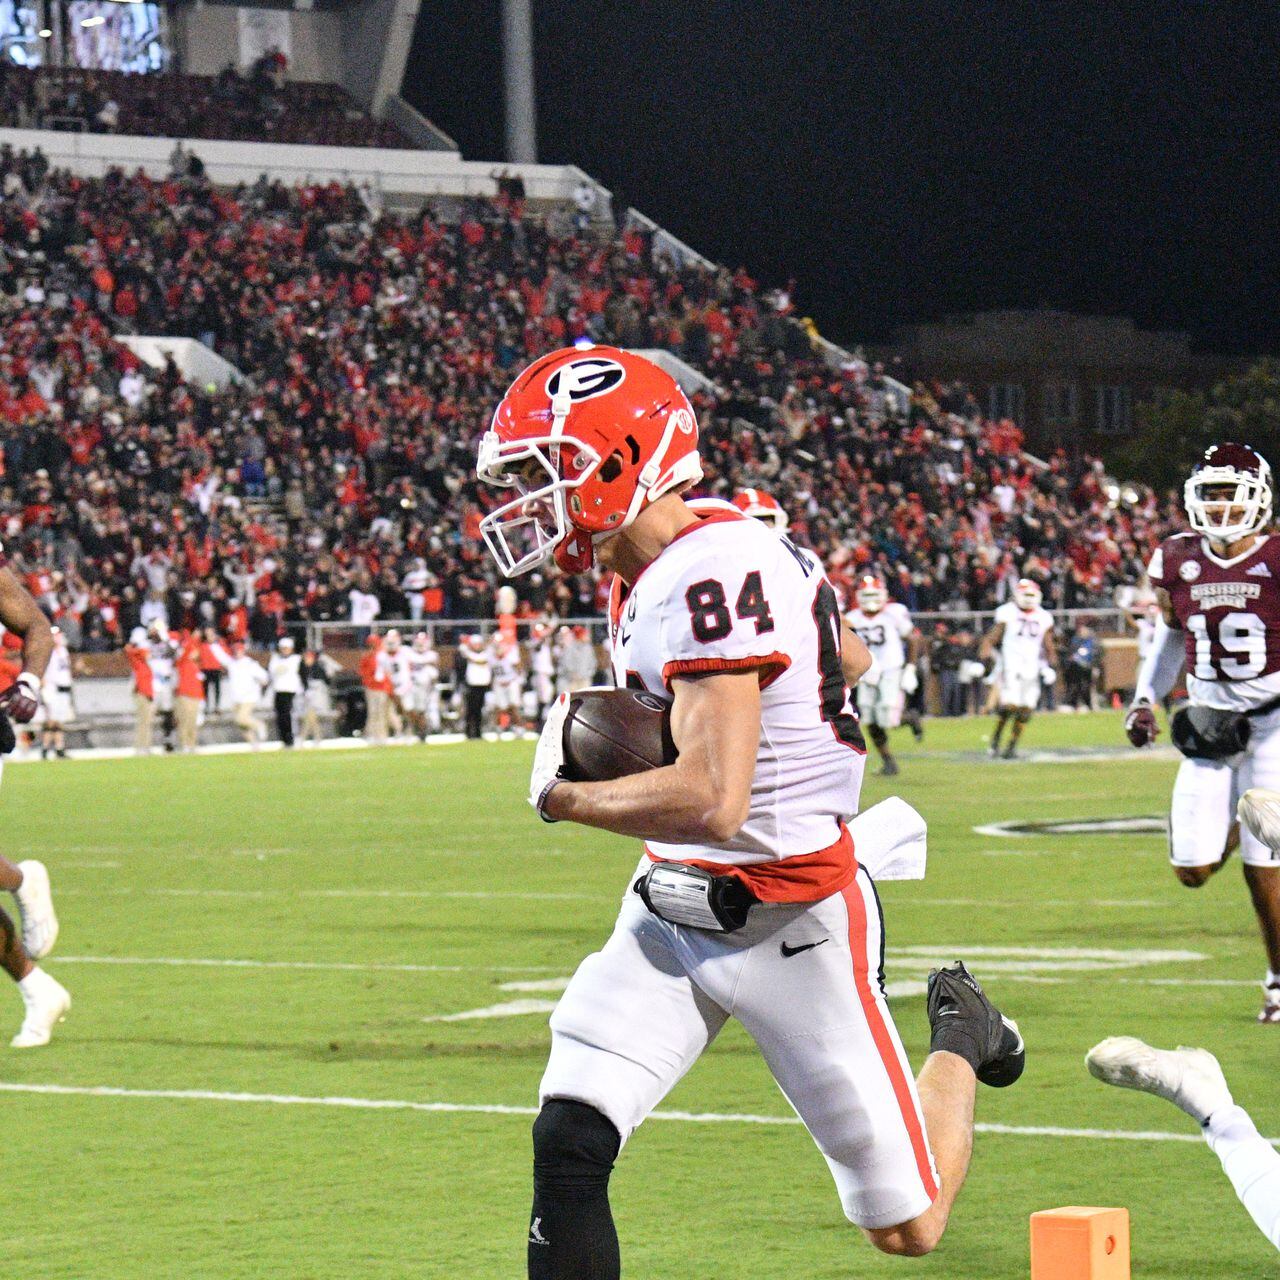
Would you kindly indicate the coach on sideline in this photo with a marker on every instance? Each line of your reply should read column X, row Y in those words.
column 286, row 684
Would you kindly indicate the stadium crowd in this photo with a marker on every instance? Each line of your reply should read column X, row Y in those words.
column 259, row 105
column 337, row 481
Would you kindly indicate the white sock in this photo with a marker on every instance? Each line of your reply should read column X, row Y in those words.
column 31, row 985
column 1251, row 1163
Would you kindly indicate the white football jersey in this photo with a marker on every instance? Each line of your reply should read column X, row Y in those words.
column 729, row 594
column 1024, row 633
column 884, row 633
column 507, row 668
column 424, row 668
column 395, row 667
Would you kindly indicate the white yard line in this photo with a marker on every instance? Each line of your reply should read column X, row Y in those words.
column 496, row 1109
column 482, row 895
column 192, row 962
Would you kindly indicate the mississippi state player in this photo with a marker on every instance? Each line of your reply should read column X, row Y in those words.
column 46, row 1000
column 1023, row 635
column 753, row 904
column 885, row 627
column 1218, row 591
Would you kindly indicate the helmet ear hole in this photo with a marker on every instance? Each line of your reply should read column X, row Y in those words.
column 611, row 468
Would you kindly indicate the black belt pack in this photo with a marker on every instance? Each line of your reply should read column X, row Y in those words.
column 690, row 896
column 1211, row 733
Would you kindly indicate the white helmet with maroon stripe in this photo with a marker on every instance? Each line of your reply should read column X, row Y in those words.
column 762, row 506
column 1027, row 595
column 1228, row 495
column 872, row 595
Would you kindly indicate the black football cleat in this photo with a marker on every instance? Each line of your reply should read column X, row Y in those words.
column 965, row 1022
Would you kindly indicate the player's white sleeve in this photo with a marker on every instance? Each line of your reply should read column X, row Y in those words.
column 1251, row 1163
column 1161, row 666
column 904, row 624
column 734, row 622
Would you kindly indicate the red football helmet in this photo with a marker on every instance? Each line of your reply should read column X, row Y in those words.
column 588, row 437
column 1027, row 595
column 872, row 595
column 1241, row 483
column 762, row 506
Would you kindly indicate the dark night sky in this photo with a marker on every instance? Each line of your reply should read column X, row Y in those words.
column 904, row 160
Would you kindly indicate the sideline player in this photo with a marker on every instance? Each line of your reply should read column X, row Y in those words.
column 1218, row 591
column 754, row 905
column 46, row 1000
column 1023, row 636
column 885, row 627
column 506, row 695
column 55, row 699
column 423, row 706
column 1192, row 1079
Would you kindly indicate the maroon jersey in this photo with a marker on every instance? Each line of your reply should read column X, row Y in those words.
column 1230, row 612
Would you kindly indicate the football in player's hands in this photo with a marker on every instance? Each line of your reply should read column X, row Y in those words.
column 610, row 733
column 1141, row 725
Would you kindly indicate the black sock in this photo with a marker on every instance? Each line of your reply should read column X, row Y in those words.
column 571, row 1231
column 954, row 1035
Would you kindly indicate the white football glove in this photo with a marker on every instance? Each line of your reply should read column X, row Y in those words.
column 548, row 756
column 1259, row 814
column 1048, row 676
column 910, row 679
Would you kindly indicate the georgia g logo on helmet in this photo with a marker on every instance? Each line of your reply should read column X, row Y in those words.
column 586, row 378
column 1228, row 495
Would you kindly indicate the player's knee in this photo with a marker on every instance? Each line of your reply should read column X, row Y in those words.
column 574, row 1147
column 1194, row 877
column 908, row 1239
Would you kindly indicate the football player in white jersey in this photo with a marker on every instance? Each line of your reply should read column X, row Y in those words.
column 423, row 706
column 748, row 901
column 506, row 696
column 1023, row 636
column 885, row 627
column 55, row 698
column 392, row 665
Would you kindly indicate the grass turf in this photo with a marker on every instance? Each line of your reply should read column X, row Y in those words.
column 386, row 858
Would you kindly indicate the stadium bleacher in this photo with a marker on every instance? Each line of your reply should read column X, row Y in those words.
column 254, row 107
column 375, row 345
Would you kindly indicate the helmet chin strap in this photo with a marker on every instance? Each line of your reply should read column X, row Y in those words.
column 575, row 553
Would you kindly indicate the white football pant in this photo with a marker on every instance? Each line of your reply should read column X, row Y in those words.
column 1207, row 792
column 803, row 980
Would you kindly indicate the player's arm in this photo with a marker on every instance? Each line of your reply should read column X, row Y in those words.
column 855, row 657
column 21, row 615
column 705, row 795
column 991, row 642
column 1050, row 648
column 1158, row 674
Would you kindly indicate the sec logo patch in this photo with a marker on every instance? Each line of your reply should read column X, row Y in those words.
column 1189, row 570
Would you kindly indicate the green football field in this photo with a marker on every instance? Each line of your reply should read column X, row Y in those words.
column 265, row 1072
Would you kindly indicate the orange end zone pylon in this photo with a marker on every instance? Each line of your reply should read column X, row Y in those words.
column 1080, row 1244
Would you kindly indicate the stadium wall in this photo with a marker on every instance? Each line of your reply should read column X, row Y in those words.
column 410, row 175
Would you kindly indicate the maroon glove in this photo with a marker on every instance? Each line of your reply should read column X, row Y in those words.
column 21, row 699
column 1141, row 726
